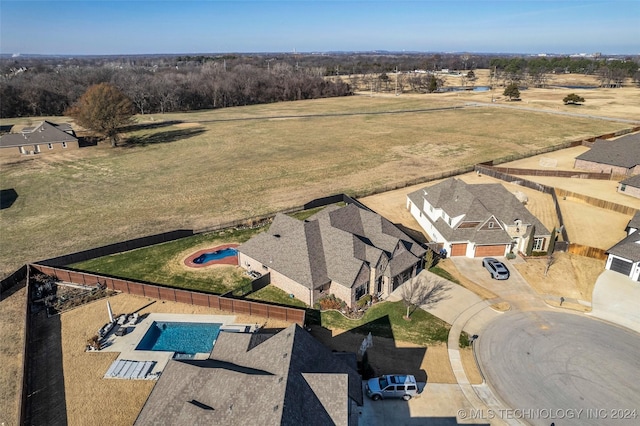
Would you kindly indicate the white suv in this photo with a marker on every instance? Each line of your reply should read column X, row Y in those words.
column 392, row 386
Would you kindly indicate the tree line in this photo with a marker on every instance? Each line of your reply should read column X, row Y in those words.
column 50, row 90
column 37, row 86
column 610, row 72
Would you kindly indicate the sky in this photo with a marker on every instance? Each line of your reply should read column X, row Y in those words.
column 97, row 27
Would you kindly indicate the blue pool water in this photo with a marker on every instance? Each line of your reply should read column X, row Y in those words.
column 215, row 255
column 181, row 337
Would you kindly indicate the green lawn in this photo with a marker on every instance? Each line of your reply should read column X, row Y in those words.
column 273, row 294
column 161, row 263
column 386, row 319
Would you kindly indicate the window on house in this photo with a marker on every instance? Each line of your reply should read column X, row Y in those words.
column 64, row 144
column 362, row 290
column 623, row 187
column 50, row 145
column 449, row 221
column 490, row 225
column 538, row 244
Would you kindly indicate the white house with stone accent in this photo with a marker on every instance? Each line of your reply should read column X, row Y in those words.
column 477, row 220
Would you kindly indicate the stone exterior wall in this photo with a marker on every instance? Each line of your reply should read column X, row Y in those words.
column 277, row 279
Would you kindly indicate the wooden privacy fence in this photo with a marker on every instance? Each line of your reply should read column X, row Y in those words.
column 553, row 173
column 587, row 251
column 177, row 295
column 603, row 204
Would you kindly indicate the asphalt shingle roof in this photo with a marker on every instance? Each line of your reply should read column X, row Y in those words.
column 632, row 181
column 628, row 248
column 333, row 245
column 288, row 378
column 622, row 152
column 477, row 203
column 43, row 133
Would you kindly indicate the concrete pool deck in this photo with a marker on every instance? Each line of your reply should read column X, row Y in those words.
column 127, row 344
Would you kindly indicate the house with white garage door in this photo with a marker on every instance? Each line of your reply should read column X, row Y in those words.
column 478, row 220
column 624, row 257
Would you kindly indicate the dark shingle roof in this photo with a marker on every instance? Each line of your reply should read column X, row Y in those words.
column 333, row 245
column 622, row 152
column 45, row 132
column 477, row 203
column 635, row 221
column 628, row 248
column 288, row 379
column 632, row 181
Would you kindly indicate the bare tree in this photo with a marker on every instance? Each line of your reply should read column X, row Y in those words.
column 424, row 290
column 550, row 261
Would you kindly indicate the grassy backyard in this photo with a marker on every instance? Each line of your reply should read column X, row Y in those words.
column 163, row 263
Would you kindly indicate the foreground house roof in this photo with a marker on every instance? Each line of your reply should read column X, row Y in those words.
column 288, row 378
column 622, row 152
column 333, row 245
column 44, row 133
column 476, row 203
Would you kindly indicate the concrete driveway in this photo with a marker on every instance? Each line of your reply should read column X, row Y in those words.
column 616, row 298
column 437, row 405
column 516, row 290
column 456, row 302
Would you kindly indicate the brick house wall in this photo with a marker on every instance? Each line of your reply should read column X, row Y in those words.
column 603, row 168
column 17, row 151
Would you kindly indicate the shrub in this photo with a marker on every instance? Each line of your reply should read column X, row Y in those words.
column 364, row 301
column 464, row 340
column 330, row 302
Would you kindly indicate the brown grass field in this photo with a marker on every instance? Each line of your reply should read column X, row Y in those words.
column 196, row 170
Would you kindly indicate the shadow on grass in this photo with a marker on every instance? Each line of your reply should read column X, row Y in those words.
column 148, row 126
column 161, row 137
column 7, row 198
column 384, row 356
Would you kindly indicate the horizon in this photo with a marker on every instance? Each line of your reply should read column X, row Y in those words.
column 141, row 27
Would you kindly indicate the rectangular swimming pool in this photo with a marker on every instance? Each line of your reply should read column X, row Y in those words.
column 180, row 337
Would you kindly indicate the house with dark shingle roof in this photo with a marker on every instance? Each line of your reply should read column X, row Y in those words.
column 619, row 156
column 286, row 378
column 624, row 257
column 345, row 251
column 46, row 137
column 630, row 186
column 477, row 220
